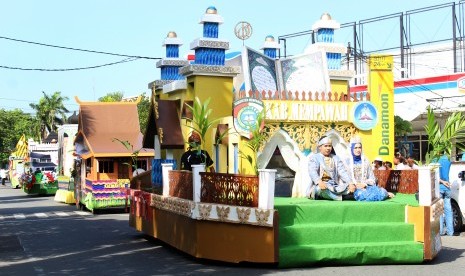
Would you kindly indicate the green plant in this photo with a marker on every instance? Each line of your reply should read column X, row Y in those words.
column 201, row 121
column 257, row 137
column 134, row 153
column 442, row 141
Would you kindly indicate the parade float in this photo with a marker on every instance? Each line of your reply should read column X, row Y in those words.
column 17, row 161
column 109, row 152
column 40, row 174
column 66, row 159
column 232, row 215
column 32, row 167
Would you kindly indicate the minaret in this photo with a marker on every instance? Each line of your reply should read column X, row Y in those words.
column 169, row 66
column 325, row 34
column 325, row 42
column 210, row 50
column 270, row 47
column 208, row 78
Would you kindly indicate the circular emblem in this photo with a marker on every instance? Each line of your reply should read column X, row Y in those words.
column 243, row 30
column 248, row 117
column 245, row 114
column 365, row 115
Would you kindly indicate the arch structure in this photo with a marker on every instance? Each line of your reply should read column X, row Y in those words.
column 295, row 159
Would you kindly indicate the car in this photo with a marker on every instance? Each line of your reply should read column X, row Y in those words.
column 457, row 180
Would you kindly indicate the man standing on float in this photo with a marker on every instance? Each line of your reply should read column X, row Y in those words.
column 328, row 173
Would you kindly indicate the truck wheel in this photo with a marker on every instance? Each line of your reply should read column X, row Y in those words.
column 457, row 216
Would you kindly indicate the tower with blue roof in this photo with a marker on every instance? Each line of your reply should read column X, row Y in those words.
column 324, row 29
column 170, row 65
column 270, row 47
column 210, row 50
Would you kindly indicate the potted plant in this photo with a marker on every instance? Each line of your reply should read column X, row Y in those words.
column 440, row 141
column 453, row 132
column 201, row 123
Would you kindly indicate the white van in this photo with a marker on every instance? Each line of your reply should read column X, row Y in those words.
column 457, row 180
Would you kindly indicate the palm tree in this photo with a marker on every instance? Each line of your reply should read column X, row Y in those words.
column 443, row 140
column 51, row 112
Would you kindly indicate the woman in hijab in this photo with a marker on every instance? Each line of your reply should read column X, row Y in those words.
column 362, row 175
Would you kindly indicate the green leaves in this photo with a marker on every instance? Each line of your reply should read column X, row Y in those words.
column 134, row 153
column 401, row 126
column 50, row 111
column 443, row 140
column 201, row 117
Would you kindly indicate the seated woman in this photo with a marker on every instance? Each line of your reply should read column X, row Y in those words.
column 362, row 175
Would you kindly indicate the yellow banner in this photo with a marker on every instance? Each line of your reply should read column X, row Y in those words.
column 381, row 89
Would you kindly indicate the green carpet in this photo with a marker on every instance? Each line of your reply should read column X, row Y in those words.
column 317, row 232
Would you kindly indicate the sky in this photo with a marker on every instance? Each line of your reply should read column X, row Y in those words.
column 138, row 28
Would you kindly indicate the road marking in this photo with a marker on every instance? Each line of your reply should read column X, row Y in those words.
column 62, row 214
column 41, row 215
column 82, row 213
column 19, row 216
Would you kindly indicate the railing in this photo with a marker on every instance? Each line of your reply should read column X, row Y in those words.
column 220, row 188
column 229, row 189
column 401, row 181
column 180, row 183
column 303, row 96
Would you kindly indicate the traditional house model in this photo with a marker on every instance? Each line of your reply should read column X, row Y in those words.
column 106, row 164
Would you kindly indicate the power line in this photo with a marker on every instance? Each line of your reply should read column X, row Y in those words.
column 76, row 49
column 68, row 69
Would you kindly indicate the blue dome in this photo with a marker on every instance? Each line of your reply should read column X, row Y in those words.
column 269, row 38
column 211, row 10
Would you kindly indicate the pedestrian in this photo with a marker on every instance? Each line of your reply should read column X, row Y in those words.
column 3, row 175
column 444, row 191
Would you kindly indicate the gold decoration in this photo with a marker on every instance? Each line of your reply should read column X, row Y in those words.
column 204, row 211
column 160, row 134
column 262, row 216
column 307, row 135
column 243, row 214
column 155, row 108
column 172, row 35
column 222, row 212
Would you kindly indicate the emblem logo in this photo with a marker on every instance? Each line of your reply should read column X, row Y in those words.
column 245, row 113
column 243, row 30
column 365, row 115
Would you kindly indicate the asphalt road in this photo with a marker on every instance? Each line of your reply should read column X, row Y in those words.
column 39, row 236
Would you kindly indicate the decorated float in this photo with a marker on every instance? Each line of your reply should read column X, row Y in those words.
column 109, row 153
column 40, row 175
column 66, row 159
column 17, row 162
column 232, row 215
column 31, row 167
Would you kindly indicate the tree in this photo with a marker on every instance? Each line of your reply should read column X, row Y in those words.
column 401, row 129
column 112, row 97
column 51, row 112
column 13, row 124
column 401, row 126
column 143, row 109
